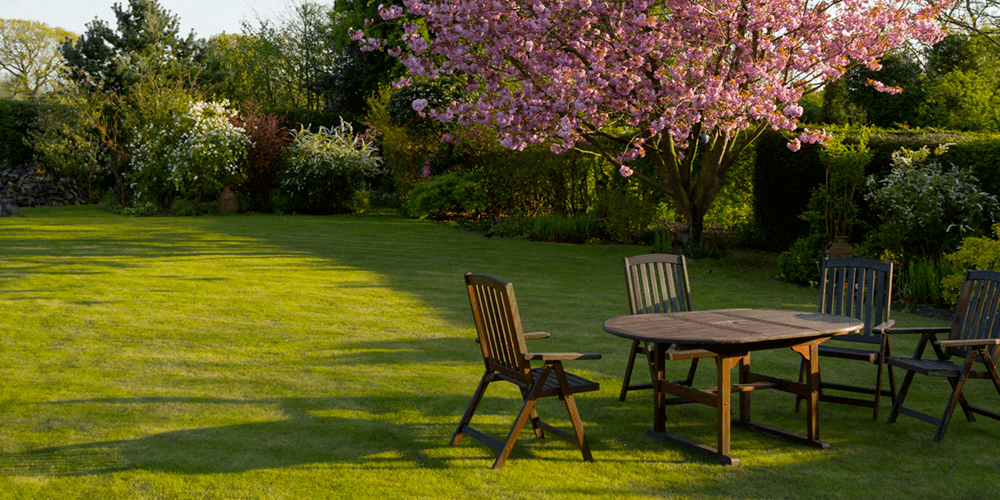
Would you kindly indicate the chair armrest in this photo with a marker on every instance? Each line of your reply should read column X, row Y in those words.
column 925, row 330
column 529, row 336
column 887, row 324
column 968, row 342
column 561, row 356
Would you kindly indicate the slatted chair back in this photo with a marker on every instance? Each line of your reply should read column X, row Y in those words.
column 976, row 316
column 498, row 325
column 657, row 283
column 859, row 288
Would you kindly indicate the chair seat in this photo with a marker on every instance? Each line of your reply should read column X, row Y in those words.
column 848, row 353
column 931, row 367
column 577, row 383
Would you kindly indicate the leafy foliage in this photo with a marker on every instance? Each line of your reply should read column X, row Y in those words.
column 975, row 253
column 65, row 140
column 194, row 153
column 326, row 170
column 269, row 139
column 925, row 209
column 17, row 119
column 448, row 195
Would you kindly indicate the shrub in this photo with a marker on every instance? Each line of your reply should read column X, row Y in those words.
column 197, row 152
column 326, row 171
column 454, row 194
column 924, row 209
column 269, row 139
column 65, row 140
column 625, row 217
column 975, row 253
column 17, row 118
column 559, row 229
column 404, row 151
column 148, row 120
column 798, row 263
column 920, row 280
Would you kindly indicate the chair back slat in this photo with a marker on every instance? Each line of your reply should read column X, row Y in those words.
column 976, row 314
column 657, row 283
column 858, row 288
column 498, row 325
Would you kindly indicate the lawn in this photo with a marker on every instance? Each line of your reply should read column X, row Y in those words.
column 268, row 356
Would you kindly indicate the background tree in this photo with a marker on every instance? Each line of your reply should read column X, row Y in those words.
column 976, row 17
column 146, row 41
column 899, row 69
column 310, row 52
column 687, row 85
column 30, row 56
column 254, row 68
column 962, row 84
column 357, row 75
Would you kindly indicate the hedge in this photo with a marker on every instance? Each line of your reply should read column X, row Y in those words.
column 783, row 180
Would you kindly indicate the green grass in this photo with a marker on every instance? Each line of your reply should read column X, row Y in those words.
column 260, row 356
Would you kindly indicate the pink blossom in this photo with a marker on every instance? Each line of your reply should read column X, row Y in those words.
column 793, row 111
column 391, row 12
column 419, row 105
column 881, row 87
column 649, row 72
column 625, row 171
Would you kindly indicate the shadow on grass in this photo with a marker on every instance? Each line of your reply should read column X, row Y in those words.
column 301, row 440
column 307, row 438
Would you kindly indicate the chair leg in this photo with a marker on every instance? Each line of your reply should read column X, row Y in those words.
column 956, row 397
column 907, row 380
column 574, row 415
column 689, row 381
column 628, row 370
column 477, row 397
column 878, row 389
column 536, row 420
column 522, row 418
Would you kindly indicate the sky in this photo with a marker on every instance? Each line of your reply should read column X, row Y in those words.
column 205, row 17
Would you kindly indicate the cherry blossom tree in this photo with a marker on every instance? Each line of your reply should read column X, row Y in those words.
column 687, row 84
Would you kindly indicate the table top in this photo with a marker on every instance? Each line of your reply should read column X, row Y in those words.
column 729, row 326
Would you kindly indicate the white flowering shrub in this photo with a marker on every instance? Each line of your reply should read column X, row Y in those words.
column 194, row 153
column 326, row 170
column 925, row 209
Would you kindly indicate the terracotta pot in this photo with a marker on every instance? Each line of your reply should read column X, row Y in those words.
column 228, row 204
column 839, row 248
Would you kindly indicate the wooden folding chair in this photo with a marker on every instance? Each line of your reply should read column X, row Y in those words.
column 861, row 289
column 501, row 338
column 658, row 283
column 972, row 339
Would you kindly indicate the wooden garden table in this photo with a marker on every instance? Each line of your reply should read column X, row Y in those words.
column 732, row 334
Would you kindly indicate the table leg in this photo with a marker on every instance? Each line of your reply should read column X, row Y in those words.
column 724, row 405
column 659, row 391
column 812, row 379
